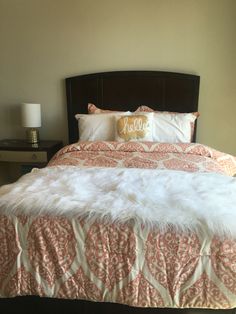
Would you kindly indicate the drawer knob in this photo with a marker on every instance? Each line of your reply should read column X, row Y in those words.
column 34, row 156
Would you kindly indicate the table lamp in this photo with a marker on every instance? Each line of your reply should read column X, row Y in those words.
column 31, row 119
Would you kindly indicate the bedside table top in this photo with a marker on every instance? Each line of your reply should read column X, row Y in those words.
column 22, row 145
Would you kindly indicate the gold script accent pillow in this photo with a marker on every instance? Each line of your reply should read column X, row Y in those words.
column 136, row 127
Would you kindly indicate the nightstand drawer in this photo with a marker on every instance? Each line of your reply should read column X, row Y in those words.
column 16, row 156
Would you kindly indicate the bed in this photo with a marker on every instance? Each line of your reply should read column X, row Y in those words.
column 88, row 264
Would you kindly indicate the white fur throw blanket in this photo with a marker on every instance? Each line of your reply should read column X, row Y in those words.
column 157, row 198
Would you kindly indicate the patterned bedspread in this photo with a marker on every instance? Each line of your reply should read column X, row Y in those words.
column 188, row 157
column 71, row 258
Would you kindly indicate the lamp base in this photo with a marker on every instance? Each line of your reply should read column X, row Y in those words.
column 32, row 136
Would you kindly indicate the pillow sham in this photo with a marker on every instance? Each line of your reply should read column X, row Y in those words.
column 144, row 109
column 134, row 127
column 97, row 127
column 92, row 109
column 148, row 109
column 172, row 127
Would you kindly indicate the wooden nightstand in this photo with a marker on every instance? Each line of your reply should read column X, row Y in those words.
column 24, row 156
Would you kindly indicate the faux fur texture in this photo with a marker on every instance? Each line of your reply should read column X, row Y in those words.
column 157, row 198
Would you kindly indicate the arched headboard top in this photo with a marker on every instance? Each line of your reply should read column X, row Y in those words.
column 126, row 90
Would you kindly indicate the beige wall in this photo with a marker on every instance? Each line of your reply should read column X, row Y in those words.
column 44, row 41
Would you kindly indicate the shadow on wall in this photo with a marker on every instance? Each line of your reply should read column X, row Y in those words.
column 12, row 117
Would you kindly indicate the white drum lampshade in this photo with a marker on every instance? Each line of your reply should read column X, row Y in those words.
column 31, row 119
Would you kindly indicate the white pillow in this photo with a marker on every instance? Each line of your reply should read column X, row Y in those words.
column 173, row 128
column 134, row 127
column 97, row 127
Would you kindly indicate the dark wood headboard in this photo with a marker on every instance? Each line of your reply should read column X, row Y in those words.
column 126, row 90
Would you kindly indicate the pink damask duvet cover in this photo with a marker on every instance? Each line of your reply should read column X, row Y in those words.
column 72, row 258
